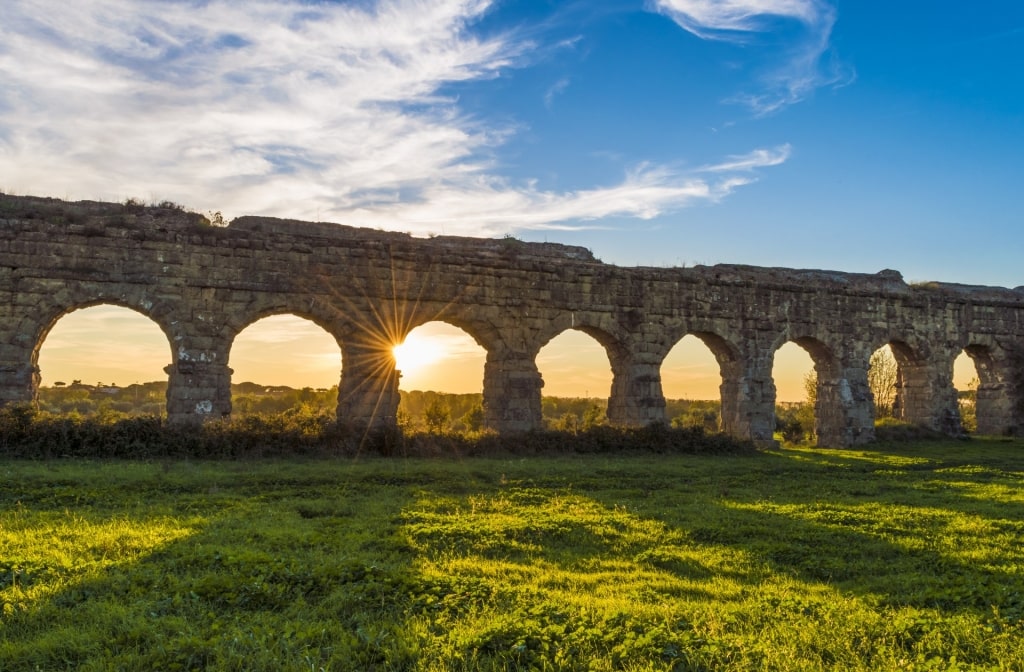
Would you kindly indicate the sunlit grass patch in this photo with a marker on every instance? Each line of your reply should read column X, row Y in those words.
column 48, row 551
column 887, row 558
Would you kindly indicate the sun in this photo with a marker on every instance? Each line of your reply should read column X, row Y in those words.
column 416, row 353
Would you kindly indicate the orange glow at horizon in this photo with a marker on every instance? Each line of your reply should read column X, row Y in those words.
column 791, row 366
column 115, row 345
column 104, row 344
column 690, row 371
column 574, row 364
column 285, row 350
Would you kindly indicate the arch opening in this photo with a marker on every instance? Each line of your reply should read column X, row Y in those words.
column 883, row 381
column 576, row 367
column 103, row 359
column 798, row 373
column 691, row 379
column 441, row 372
column 967, row 380
column 284, row 363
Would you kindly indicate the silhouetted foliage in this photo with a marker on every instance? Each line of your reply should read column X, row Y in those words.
column 107, row 421
column 701, row 413
column 28, row 434
column 891, row 430
column 883, row 374
column 967, row 400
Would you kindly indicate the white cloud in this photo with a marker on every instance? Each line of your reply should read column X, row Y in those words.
column 555, row 89
column 286, row 330
column 715, row 19
column 329, row 111
column 759, row 158
column 806, row 64
column 490, row 206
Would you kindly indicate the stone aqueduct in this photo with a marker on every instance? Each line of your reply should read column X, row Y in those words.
column 203, row 284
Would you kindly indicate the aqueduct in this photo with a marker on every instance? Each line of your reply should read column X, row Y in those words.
column 203, row 284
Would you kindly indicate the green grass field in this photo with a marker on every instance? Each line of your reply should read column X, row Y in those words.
column 893, row 558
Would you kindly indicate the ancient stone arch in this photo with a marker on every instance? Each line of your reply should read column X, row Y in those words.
column 997, row 387
column 202, row 284
column 628, row 390
column 717, row 338
column 50, row 313
column 242, row 320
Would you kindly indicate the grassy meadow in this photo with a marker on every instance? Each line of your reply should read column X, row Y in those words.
column 895, row 557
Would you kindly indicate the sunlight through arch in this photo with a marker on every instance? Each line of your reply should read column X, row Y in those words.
column 440, row 357
column 966, row 382
column 105, row 344
column 965, row 373
column 796, row 390
column 691, row 371
column 883, row 378
column 575, row 365
column 691, row 382
column 285, row 350
column 790, row 369
column 442, row 379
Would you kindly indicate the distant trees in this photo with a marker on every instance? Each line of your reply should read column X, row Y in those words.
column 795, row 421
column 573, row 414
column 883, row 374
column 430, row 411
column 473, row 419
column 256, row 399
column 151, row 399
column 967, row 400
column 439, row 411
column 687, row 413
column 437, row 416
column 87, row 400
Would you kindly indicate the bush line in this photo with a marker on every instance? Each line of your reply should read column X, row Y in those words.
column 27, row 434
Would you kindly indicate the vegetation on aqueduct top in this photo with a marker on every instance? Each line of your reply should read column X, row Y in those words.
column 896, row 557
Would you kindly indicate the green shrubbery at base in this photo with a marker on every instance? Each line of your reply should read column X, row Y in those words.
column 303, row 431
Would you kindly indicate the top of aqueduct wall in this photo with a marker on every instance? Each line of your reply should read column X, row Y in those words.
column 172, row 224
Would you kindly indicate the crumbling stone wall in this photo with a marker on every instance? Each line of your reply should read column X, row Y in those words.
column 203, row 285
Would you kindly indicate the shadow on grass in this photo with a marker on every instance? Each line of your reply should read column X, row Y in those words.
column 929, row 528
column 649, row 562
column 789, row 537
column 269, row 571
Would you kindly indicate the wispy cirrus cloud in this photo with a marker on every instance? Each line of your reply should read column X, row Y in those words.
column 330, row 111
column 805, row 64
column 759, row 158
column 555, row 89
column 495, row 206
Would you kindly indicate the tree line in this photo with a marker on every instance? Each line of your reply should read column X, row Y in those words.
column 417, row 410
column 440, row 412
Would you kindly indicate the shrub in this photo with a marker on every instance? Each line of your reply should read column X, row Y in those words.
column 893, row 430
column 306, row 431
column 795, row 422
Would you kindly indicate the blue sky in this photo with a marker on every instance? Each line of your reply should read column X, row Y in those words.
column 846, row 135
column 853, row 136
